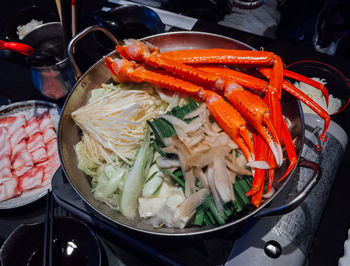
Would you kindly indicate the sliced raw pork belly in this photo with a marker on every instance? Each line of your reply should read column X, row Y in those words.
column 32, row 126
column 35, row 142
column 52, row 148
column 5, row 147
column 28, row 153
column 49, row 134
column 51, row 165
column 45, row 122
column 9, row 189
column 5, row 159
column 23, row 161
column 12, row 123
column 5, row 175
column 36, row 146
column 32, row 178
column 19, row 135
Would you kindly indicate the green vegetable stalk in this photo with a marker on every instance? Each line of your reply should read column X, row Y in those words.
column 135, row 178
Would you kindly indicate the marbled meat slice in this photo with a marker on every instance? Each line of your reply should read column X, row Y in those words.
column 23, row 161
column 39, row 155
column 19, row 135
column 18, row 148
column 5, row 162
column 50, row 169
column 5, row 147
column 52, row 148
column 35, row 142
column 49, row 134
column 5, row 175
column 32, row 178
column 45, row 121
column 32, row 126
column 9, row 189
column 12, row 123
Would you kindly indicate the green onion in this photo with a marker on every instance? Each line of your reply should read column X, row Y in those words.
column 177, row 179
column 157, row 190
column 151, row 176
column 206, row 219
column 211, row 218
column 199, row 218
column 210, row 205
column 181, row 112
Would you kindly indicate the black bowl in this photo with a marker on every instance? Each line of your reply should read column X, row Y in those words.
column 74, row 243
column 337, row 84
column 22, row 17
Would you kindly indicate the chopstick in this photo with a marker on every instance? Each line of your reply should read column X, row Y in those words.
column 58, row 6
column 74, row 18
column 66, row 17
column 48, row 233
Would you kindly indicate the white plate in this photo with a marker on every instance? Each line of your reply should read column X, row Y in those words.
column 29, row 108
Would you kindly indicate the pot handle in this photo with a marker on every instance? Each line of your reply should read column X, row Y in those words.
column 78, row 37
column 295, row 202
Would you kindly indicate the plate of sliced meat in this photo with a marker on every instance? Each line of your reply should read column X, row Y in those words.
column 28, row 151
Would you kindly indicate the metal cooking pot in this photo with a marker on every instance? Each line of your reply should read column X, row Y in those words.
column 69, row 134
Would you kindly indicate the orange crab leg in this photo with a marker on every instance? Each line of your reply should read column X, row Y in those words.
column 224, row 113
column 291, row 153
column 260, row 150
column 241, row 78
column 257, row 197
column 308, row 81
column 221, row 56
column 140, row 52
column 273, row 100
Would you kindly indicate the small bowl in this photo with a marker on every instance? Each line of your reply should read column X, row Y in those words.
column 74, row 243
column 337, row 84
column 22, row 17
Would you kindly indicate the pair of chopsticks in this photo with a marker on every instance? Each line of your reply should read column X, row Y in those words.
column 48, row 233
column 67, row 11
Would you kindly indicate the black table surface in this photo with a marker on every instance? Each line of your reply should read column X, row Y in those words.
column 16, row 84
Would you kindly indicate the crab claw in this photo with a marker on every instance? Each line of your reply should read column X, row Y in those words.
column 256, row 112
column 231, row 122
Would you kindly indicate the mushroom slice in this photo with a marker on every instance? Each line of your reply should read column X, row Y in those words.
column 164, row 162
column 222, row 180
column 235, row 167
column 188, row 207
column 211, row 181
column 190, row 186
column 206, row 157
column 221, row 139
column 198, row 172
